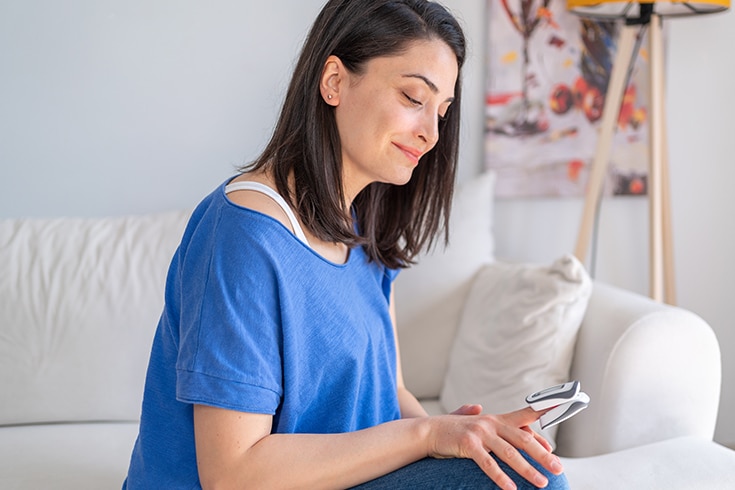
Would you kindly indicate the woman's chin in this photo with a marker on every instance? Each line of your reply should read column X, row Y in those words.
column 402, row 176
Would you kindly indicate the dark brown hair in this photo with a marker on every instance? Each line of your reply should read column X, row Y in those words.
column 395, row 222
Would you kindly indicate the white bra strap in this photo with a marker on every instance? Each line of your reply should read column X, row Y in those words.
column 268, row 191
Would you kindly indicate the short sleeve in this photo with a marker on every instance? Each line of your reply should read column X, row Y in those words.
column 230, row 334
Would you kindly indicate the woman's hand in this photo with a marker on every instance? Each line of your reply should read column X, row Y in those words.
column 465, row 433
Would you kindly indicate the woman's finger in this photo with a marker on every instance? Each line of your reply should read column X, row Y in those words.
column 523, row 417
column 514, row 459
column 534, row 445
column 492, row 469
column 470, row 409
column 541, row 439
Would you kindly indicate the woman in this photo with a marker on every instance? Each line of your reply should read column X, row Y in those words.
column 275, row 361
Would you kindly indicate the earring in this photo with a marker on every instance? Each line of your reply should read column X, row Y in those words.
column 329, row 96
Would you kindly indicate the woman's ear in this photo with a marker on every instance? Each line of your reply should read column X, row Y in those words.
column 331, row 81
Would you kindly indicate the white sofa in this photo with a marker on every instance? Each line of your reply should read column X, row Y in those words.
column 80, row 298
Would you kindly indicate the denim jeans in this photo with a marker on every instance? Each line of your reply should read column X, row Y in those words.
column 454, row 474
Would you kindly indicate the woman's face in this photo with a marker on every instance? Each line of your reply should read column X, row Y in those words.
column 388, row 116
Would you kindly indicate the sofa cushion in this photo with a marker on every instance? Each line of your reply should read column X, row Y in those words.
column 66, row 456
column 682, row 463
column 79, row 302
column 517, row 334
column 430, row 295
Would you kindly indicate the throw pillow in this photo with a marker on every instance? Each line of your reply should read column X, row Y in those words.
column 516, row 335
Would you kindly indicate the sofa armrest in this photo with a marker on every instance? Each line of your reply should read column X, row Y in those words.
column 652, row 372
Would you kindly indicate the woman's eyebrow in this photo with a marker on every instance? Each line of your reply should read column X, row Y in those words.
column 432, row 86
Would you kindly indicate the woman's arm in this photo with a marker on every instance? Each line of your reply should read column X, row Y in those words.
column 237, row 450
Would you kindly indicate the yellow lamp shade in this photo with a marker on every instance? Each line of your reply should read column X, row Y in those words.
column 618, row 9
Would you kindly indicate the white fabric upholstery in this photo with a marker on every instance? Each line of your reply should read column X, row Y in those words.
column 684, row 463
column 430, row 295
column 79, row 302
column 66, row 456
column 516, row 335
column 652, row 371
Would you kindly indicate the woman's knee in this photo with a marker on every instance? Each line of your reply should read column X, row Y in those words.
column 455, row 474
column 557, row 482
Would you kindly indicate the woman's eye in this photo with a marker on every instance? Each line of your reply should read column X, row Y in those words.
column 412, row 100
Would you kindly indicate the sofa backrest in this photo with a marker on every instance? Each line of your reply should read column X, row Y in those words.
column 79, row 303
column 430, row 295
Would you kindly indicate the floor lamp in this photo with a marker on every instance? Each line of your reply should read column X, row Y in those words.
column 637, row 15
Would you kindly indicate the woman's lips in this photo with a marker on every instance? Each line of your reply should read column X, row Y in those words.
column 413, row 154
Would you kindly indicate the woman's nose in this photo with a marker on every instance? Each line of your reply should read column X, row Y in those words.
column 429, row 130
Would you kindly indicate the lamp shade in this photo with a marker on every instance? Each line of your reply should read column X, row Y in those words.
column 620, row 9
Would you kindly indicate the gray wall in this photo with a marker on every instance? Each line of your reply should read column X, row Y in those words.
column 111, row 107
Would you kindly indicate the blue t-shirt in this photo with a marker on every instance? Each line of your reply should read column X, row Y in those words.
column 256, row 321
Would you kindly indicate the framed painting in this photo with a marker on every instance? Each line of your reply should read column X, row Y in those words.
column 547, row 77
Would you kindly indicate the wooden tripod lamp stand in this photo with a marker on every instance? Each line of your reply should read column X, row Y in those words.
column 638, row 15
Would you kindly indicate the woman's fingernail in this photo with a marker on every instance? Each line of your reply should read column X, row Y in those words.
column 556, row 465
column 541, row 481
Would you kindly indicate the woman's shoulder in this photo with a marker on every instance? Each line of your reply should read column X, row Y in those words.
column 221, row 221
column 257, row 200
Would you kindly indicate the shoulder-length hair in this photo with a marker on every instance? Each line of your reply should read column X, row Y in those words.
column 394, row 223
